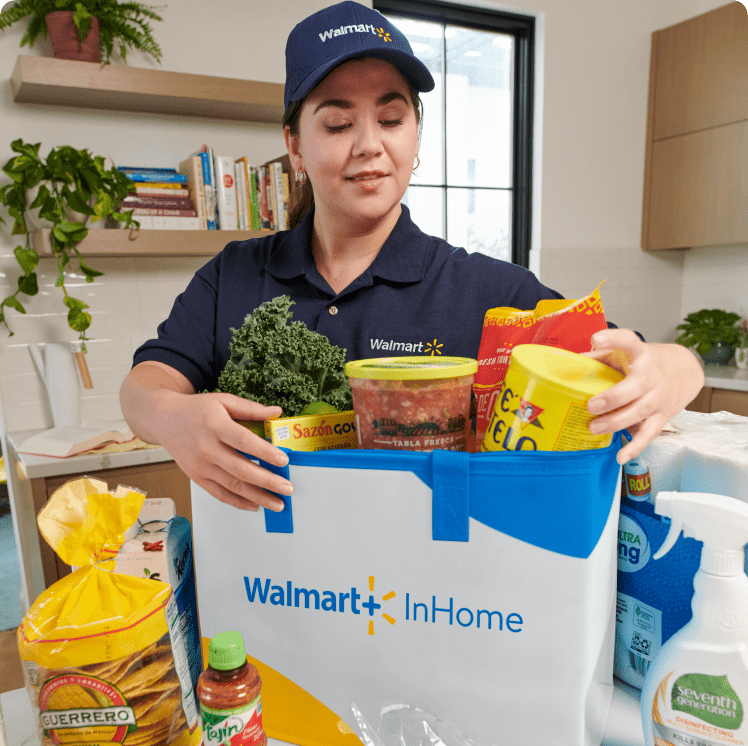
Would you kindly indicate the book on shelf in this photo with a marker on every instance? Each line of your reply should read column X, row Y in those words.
column 240, row 172
column 272, row 197
column 166, row 211
column 254, row 213
column 278, row 201
column 167, row 223
column 263, row 178
column 212, row 165
column 149, row 169
column 158, row 177
column 286, row 177
column 226, row 193
column 208, row 187
column 175, row 189
column 192, row 168
column 62, row 442
column 161, row 200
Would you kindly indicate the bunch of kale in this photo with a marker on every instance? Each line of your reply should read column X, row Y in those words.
column 275, row 362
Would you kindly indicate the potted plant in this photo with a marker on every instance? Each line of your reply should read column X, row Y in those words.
column 69, row 181
column 712, row 333
column 741, row 346
column 126, row 23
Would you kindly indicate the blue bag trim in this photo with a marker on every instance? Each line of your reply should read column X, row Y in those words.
column 450, row 503
column 281, row 522
column 556, row 500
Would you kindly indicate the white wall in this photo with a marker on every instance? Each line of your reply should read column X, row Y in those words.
column 593, row 76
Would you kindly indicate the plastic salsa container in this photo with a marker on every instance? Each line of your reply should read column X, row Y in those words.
column 412, row 403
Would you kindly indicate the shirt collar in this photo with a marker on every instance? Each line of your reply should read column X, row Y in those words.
column 403, row 258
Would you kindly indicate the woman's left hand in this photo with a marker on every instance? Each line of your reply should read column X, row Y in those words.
column 661, row 379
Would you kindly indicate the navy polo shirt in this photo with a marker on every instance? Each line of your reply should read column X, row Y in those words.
column 420, row 295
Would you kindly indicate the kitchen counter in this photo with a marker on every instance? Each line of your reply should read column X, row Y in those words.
column 49, row 466
column 623, row 727
column 726, row 377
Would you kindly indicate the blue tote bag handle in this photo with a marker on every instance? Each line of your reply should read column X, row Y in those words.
column 446, row 472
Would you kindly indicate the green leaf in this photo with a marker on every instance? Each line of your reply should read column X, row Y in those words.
column 79, row 321
column 74, row 304
column 89, row 272
column 27, row 259
column 28, row 284
column 13, row 302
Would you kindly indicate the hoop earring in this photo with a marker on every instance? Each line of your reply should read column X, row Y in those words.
column 418, row 163
column 301, row 177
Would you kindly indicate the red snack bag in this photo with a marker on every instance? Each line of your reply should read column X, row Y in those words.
column 567, row 324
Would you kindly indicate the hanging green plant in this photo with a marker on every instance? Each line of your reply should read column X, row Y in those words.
column 126, row 24
column 71, row 187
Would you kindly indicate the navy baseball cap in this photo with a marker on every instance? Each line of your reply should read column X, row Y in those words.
column 344, row 32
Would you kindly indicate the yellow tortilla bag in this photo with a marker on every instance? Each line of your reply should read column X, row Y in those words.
column 102, row 662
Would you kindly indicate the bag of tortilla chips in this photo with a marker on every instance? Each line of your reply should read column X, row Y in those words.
column 567, row 324
column 102, row 659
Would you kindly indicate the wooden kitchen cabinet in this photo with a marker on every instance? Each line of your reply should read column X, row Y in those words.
column 695, row 186
column 156, row 480
column 720, row 400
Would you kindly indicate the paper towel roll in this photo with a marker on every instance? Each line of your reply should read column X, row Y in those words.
column 717, row 459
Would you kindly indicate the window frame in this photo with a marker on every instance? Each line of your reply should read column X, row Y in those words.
column 522, row 28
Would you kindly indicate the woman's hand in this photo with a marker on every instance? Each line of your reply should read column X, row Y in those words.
column 201, row 434
column 661, row 379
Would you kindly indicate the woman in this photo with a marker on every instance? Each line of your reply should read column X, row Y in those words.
column 358, row 270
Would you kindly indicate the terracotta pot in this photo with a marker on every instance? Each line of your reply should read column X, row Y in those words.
column 64, row 37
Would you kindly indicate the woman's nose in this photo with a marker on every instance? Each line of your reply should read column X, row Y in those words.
column 368, row 139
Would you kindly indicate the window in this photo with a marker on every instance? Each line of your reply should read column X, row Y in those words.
column 473, row 185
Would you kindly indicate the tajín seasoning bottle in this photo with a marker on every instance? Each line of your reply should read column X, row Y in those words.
column 229, row 694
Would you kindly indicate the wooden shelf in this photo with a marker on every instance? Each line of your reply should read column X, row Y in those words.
column 114, row 242
column 47, row 80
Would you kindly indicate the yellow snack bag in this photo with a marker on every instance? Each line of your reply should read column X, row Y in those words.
column 103, row 660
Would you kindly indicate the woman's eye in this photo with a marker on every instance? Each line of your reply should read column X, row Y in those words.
column 391, row 122
column 337, row 127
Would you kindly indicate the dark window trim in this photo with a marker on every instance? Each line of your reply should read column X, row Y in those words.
column 523, row 29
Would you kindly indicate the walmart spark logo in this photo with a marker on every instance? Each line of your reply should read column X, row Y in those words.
column 433, row 348
column 383, row 34
column 372, row 606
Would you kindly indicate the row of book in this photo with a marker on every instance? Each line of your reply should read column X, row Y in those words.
column 211, row 192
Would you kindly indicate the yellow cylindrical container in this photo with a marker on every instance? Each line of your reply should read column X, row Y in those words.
column 543, row 402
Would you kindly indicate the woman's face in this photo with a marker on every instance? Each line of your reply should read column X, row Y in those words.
column 357, row 140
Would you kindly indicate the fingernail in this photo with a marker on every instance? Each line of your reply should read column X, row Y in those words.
column 596, row 427
column 286, row 489
column 281, row 459
column 277, row 506
column 596, row 405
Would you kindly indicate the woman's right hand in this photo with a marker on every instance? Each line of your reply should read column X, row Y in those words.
column 202, row 435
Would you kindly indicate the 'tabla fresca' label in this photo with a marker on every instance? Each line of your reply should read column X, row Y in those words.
column 241, row 726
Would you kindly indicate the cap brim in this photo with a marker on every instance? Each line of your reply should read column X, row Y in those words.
column 414, row 71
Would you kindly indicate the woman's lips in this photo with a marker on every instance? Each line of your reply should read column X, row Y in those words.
column 367, row 176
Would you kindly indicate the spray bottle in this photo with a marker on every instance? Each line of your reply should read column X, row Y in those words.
column 696, row 689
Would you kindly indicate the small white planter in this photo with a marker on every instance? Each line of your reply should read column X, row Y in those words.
column 36, row 223
column 741, row 357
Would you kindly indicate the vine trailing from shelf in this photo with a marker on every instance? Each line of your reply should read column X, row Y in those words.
column 69, row 181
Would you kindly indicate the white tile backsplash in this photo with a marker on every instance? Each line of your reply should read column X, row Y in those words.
column 126, row 304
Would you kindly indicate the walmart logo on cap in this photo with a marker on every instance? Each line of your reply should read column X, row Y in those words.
column 361, row 28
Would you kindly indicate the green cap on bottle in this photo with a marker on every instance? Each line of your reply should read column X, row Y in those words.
column 226, row 651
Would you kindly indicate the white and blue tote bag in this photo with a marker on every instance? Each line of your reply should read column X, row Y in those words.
column 477, row 587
